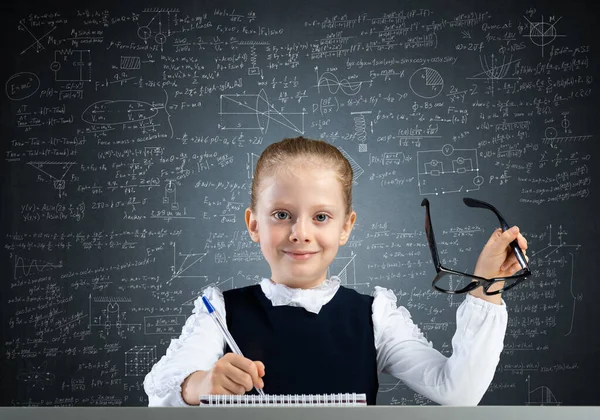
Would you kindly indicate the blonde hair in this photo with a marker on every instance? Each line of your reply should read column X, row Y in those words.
column 279, row 156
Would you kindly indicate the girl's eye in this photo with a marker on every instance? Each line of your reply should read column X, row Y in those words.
column 280, row 213
column 324, row 215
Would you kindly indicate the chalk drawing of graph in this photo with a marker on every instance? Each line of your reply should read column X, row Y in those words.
column 426, row 83
column 56, row 171
column 32, row 267
column 448, row 170
column 334, row 85
column 188, row 267
column 356, row 168
column 542, row 33
column 493, row 70
column 254, row 112
column 542, row 395
column 72, row 66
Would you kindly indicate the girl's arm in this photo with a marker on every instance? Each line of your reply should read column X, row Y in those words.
column 198, row 347
column 462, row 378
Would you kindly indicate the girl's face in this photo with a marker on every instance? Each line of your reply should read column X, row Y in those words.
column 300, row 212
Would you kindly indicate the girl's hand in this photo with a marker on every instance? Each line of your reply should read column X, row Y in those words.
column 231, row 374
column 498, row 260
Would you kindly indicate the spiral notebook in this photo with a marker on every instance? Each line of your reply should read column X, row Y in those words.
column 279, row 400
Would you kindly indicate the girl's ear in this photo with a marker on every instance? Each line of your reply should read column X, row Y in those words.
column 347, row 228
column 252, row 225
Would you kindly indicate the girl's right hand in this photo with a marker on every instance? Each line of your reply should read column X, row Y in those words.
column 231, row 374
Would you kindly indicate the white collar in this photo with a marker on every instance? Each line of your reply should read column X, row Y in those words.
column 311, row 299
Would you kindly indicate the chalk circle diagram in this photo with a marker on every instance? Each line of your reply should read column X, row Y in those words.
column 21, row 86
column 255, row 112
column 448, row 170
column 426, row 83
column 542, row 33
column 113, row 112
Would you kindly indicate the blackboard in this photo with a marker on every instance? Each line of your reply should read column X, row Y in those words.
column 130, row 131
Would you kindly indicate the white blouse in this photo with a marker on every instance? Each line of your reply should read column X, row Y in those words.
column 402, row 350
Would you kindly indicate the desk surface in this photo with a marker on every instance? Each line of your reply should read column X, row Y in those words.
column 302, row 413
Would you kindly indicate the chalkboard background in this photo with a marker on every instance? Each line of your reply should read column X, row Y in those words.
column 130, row 131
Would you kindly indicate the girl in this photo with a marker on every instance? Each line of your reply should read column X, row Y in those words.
column 313, row 335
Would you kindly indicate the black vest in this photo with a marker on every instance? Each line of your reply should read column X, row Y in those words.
column 306, row 353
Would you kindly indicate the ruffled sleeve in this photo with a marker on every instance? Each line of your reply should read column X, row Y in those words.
column 461, row 379
column 198, row 347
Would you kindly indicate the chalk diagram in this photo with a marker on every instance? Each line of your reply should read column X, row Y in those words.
column 360, row 129
column 542, row 395
column 223, row 285
column 345, row 269
column 552, row 137
column 448, row 170
column 426, row 83
column 494, row 71
column 130, row 62
column 139, row 360
column 110, row 316
column 36, row 377
column 334, row 85
column 542, row 33
column 184, row 270
column 56, row 171
column 356, row 168
column 21, row 86
column 550, row 249
column 37, row 44
column 72, row 66
column 105, row 114
column 170, row 196
column 153, row 30
column 32, row 268
column 254, row 112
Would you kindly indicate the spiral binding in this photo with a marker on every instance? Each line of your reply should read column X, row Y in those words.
column 279, row 400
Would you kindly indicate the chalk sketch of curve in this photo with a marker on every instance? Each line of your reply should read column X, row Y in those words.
column 550, row 249
column 494, row 71
column 542, row 395
column 254, row 112
column 33, row 267
column 108, row 113
column 334, row 85
column 179, row 271
column 426, row 83
column 56, row 171
column 542, row 33
column 448, row 170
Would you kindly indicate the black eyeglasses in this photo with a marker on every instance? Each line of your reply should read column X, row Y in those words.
column 455, row 282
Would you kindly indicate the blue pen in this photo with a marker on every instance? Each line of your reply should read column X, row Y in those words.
column 221, row 325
